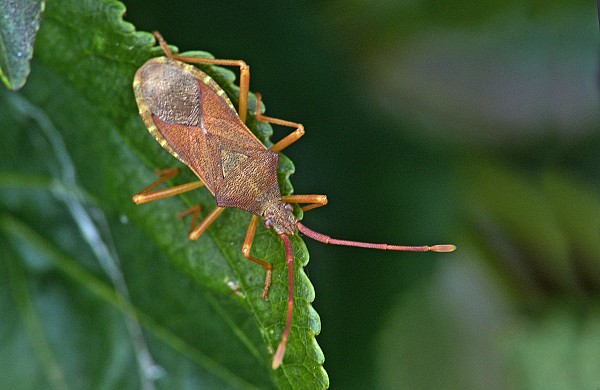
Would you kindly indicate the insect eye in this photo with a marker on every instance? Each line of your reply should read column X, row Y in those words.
column 268, row 224
column 288, row 207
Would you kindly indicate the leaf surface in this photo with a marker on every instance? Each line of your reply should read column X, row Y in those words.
column 19, row 24
column 190, row 314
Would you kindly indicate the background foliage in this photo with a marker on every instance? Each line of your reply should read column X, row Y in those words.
column 465, row 122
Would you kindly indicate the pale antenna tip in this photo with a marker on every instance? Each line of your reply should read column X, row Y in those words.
column 279, row 355
column 443, row 248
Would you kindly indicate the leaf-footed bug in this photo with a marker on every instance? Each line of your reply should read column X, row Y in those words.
column 192, row 118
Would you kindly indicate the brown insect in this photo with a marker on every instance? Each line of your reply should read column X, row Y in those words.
column 192, row 118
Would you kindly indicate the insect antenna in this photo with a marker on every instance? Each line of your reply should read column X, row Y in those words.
column 289, row 258
column 328, row 240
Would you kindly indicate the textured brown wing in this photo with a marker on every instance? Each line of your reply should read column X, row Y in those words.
column 193, row 119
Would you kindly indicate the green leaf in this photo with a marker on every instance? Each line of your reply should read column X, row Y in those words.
column 471, row 336
column 19, row 24
column 557, row 351
column 577, row 206
column 546, row 220
column 103, row 293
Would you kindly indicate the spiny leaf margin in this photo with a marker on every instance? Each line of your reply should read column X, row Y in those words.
column 91, row 64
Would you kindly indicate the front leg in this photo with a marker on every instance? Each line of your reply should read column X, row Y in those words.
column 247, row 246
column 311, row 201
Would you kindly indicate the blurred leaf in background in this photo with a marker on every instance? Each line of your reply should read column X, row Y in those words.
column 19, row 24
column 511, row 91
column 468, row 122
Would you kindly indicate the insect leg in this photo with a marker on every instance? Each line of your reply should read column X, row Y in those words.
column 289, row 259
column 312, row 201
column 246, row 251
column 288, row 139
column 195, row 211
column 196, row 231
column 147, row 195
column 244, row 72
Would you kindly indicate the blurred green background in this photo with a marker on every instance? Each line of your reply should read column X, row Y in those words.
column 472, row 123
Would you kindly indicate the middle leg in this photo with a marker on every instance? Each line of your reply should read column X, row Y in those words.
column 197, row 230
column 288, row 139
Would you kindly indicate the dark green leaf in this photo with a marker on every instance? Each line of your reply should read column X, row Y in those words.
column 196, row 305
column 511, row 210
column 19, row 24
